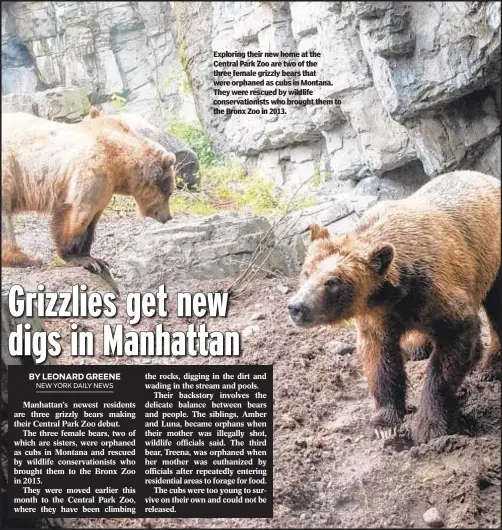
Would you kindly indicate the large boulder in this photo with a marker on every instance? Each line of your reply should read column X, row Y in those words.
column 68, row 105
column 144, row 254
column 209, row 247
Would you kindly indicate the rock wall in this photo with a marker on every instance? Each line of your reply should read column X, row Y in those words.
column 92, row 52
column 418, row 82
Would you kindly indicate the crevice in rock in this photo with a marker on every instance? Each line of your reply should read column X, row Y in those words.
column 394, row 184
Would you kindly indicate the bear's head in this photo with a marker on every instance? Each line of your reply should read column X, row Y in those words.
column 187, row 168
column 337, row 278
column 154, row 181
column 156, row 186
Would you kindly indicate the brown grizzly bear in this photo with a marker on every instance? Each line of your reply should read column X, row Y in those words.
column 187, row 164
column 425, row 263
column 72, row 172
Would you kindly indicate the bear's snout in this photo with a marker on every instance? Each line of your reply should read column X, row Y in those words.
column 164, row 218
column 162, row 215
column 299, row 312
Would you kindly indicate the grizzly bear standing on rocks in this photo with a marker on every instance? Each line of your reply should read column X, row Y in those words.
column 425, row 263
column 72, row 172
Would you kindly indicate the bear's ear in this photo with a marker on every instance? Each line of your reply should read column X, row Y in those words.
column 183, row 158
column 381, row 258
column 94, row 112
column 318, row 232
column 168, row 159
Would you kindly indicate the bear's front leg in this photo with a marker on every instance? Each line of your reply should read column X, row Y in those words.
column 379, row 344
column 73, row 233
column 458, row 348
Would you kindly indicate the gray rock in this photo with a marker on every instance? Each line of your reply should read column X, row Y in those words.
column 250, row 330
column 434, row 85
column 59, row 104
column 432, row 518
column 210, row 247
column 258, row 316
column 385, row 144
column 489, row 161
column 283, row 289
column 19, row 103
column 395, row 184
column 473, row 124
column 336, row 347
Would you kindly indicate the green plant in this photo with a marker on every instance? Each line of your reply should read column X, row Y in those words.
column 187, row 203
column 185, row 85
column 223, row 174
column 259, row 195
column 58, row 262
column 230, row 181
column 118, row 102
column 193, row 134
column 319, row 176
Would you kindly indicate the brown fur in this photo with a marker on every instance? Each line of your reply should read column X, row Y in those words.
column 416, row 346
column 187, row 165
column 422, row 265
column 318, row 232
column 72, row 172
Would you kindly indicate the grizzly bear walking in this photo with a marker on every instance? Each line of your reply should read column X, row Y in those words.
column 425, row 263
column 72, row 172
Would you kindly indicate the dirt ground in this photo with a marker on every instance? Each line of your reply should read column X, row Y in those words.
column 329, row 469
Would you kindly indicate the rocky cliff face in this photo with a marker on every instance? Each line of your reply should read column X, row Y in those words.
column 58, row 56
column 418, row 84
column 418, row 81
